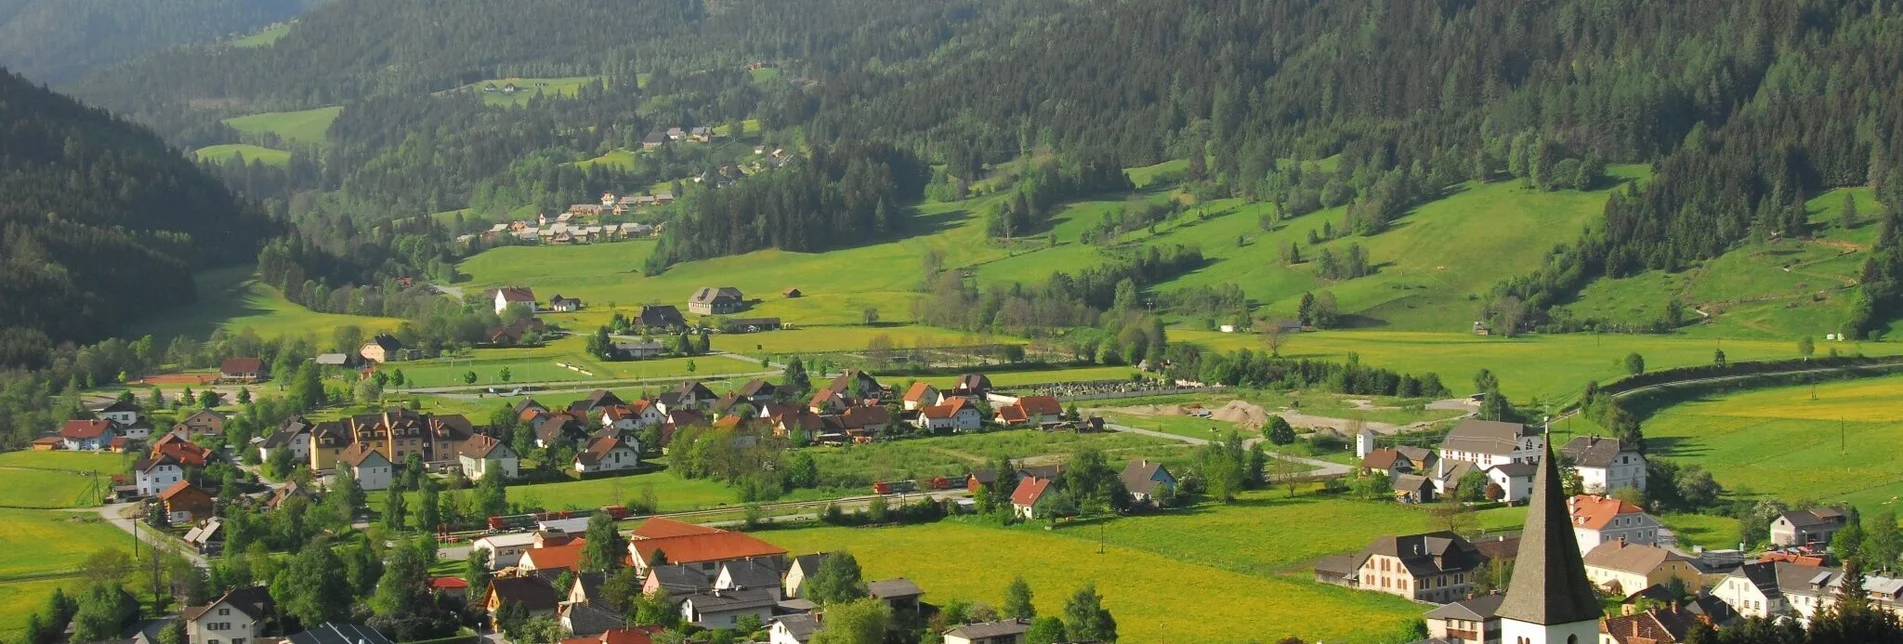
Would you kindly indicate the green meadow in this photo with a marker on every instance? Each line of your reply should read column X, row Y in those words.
column 303, row 127
column 230, row 299
column 528, row 88
column 539, row 364
column 264, row 38
column 251, row 153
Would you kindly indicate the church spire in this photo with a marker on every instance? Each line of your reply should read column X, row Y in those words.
column 1549, row 584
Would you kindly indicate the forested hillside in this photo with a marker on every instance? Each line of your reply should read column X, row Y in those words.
column 58, row 41
column 101, row 221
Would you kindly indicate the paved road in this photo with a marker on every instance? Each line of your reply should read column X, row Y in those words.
column 1746, row 376
column 1323, row 469
column 111, row 513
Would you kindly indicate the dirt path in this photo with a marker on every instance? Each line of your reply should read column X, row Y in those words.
column 1251, row 417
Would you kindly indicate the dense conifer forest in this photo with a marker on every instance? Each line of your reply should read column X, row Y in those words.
column 57, row 41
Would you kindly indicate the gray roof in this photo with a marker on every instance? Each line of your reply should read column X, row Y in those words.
column 801, row 626
column 1549, row 577
column 1814, row 517
column 1517, row 470
column 982, row 630
column 680, row 578
column 893, row 588
column 585, row 619
column 1425, row 554
column 1593, row 451
column 1485, row 436
column 1142, row 476
column 1480, row 608
column 340, row 633
column 709, row 295
column 1763, row 575
column 752, row 574
column 732, row 600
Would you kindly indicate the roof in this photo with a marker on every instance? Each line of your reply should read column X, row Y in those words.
column 1380, row 459
column 696, row 548
column 983, row 630
column 1029, row 491
column 567, row 556
column 336, row 633
column 1425, row 554
column 531, row 592
column 599, row 449
column 661, row 315
column 682, row 579
column 1140, row 476
column 1763, row 575
column 893, row 588
column 1485, row 436
column 1635, row 558
column 724, row 601
column 663, row 527
column 948, row 409
column 359, row 453
column 205, row 533
column 1041, row 405
column 1478, row 609
column 1815, row 517
column 241, row 365
column 710, row 295
column 752, row 574
column 254, row 601
column 481, row 446
column 918, row 391
column 146, row 464
column 448, row 583
column 120, row 405
column 1549, row 583
column 180, row 488
column 386, row 342
column 1013, row 414
column 585, row 618
column 84, row 429
column 514, row 294
column 1597, row 512
column 973, row 382
column 1517, row 470
column 1593, row 451
column 757, row 387
column 800, row 626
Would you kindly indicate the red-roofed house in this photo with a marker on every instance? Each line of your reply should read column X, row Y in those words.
column 448, row 585
column 243, row 370
column 508, row 296
column 1024, row 499
column 1603, row 519
column 91, row 435
column 955, row 414
column 609, row 454
column 567, row 555
column 922, row 394
column 705, row 550
column 663, row 527
column 186, row 503
column 624, row 635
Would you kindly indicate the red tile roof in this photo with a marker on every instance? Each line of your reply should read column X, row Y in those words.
column 84, row 429
column 1596, row 512
column 1029, row 491
column 951, row 408
column 1012, row 413
column 563, row 556
column 918, row 391
column 699, row 548
column 1041, row 405
column 448, row 583
column 662, row 527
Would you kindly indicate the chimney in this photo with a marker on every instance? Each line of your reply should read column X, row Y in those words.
column 1628, row 609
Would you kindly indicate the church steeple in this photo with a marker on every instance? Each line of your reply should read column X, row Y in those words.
column 1549, row 601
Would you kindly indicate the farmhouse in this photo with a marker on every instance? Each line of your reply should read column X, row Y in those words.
column 243, row 370
column 203, row 422
column 1396, row 461
column 482, row 456
column 1623, row 569
column 508, row 296
column 1145, row 479
column 1813, row 527
column 638, row 350
column 88, row 435
column 716, row 301
column 239, row 615
column 653, row 140
column 561, row 304
column 705, row 549
column 381, row 349
column 920, row 395
column 368, row 466
column 660, row 317
column 1488, row 443
column 1605, row 464
column 1436, row 567
column 609, row 454
column 186, row 503
column 1031, row 411
column 157, row 473
column 1024, row 499
column 1600, row 519
column 955, row 414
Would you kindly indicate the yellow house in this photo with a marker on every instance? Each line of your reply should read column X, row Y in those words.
column 1624, row 569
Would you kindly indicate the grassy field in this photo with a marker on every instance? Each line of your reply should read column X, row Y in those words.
column 19, row 598
column 1710, row 531
column 1549, row 367
column 251, row 153
column 103, row 462
column 618, row 159
column 674, row 493
column 1778, row 288
column 59, row 540
column 20, row 488
column 527, row 88
column 953, row 456
column 264, row 38
column 1785, row 443
column 230, row 299
column 538, row 364
column 304, row 127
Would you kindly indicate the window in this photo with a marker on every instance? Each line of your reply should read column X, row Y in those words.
column 223, row 612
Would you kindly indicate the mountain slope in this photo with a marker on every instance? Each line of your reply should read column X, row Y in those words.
column 57, row 41
column 101, row 220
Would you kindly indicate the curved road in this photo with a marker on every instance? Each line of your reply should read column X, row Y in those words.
column 1323, row 469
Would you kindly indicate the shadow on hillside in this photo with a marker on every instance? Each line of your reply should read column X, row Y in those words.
column 932, row 224
column 1674, row 446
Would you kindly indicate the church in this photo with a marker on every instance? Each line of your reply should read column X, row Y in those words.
column 1550, row 600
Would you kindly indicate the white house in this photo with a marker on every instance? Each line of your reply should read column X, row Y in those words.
column 483, row 455
column 89, row 435
column 237, row 617
column 120, row 412
column 1488, row 443
column 1605, row 464
column 724, row 608
column 157, row 474
column 921, row 395
column 609, row 454
column 1752, row 590
column 1602, row 519
column 1009, row 631
column 955, row 414
column 294, row 436
column 633, row 416
column 1514, row 479
column 504, row 550
column 372, row 471
column 792, row 629
column 513, row 296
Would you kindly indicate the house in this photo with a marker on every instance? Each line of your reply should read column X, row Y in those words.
column 1668, row 624
column 701, row 133
column 632, row 416
column 1434, row 567
column 920, row 395
column 332, row 360
column 971, row 385
column 482, row 456
column 865, row 420
column 508, row 296
column 955, row 414
column 1144, row 478
column 397, row 432
column 187, row 453
column 243, row 370
column 239, row 617
column 660, row 317
column 1032, row 411
column 339, row 633
column 609, row 454
column 1413, row 488
column 1623, row 569
column 532, row 593
column 1024, row 499
column 1514, row 479
column 594, row 403
column 792, row 293
column 121, row 412
column 1010, row 631
column 1468, row 621
column 676, row 134
column 560, row 429
column 371, row 469
column 203, row 422
column 89, row 435
column 157, row 474
column 704, row 549
column 801, row 567
column 1753, row 590
column 1396, row 461
column 733, row 405
column 1813, row 527
column 724, row 608
column 505, row 550
column 293, row 436
column 1488, row 443
column 588, row 619
column 206, row 537
column 899, row 594
column 722, row 300
column 1605, row 464
column 653, row 140
column 1600, row 519
column 566, row 556
column 186, row 503
column 797, row 628
column 758, row 391
column 138, row 430
column 638, row 350
column 381, row 349
column 564, row 304
column 688, row 395
column 751, row 325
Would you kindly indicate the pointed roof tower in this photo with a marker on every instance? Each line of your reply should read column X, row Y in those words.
column 1549, row 578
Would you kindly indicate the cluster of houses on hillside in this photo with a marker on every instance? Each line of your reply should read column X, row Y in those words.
column 123, row 426
column 1505, row 453
column 714, row 578
column 582, row 223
